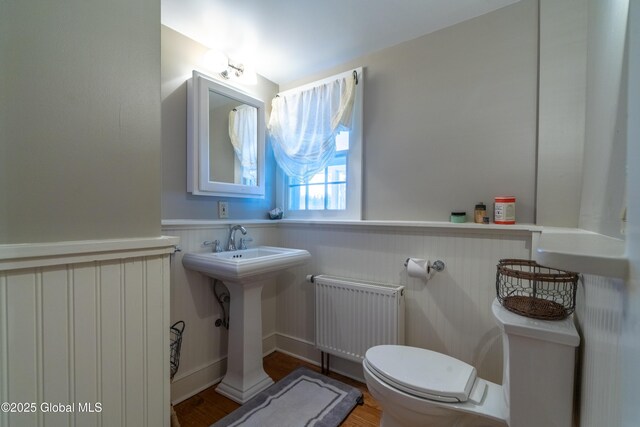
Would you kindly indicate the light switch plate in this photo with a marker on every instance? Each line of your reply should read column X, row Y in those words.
column 223, row 210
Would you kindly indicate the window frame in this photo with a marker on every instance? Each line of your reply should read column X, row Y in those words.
column 353, row 209
column 340, row 158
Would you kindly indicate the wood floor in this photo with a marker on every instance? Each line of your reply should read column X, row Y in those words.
column 207, row 407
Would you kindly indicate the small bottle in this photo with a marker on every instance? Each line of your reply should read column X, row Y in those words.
column 479, row 213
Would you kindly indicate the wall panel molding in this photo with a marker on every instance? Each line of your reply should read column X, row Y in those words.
column 87, row 332
column 599, row 312
column 450, row 313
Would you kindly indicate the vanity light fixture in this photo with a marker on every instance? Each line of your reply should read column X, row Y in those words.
column 240, row 72
column 232, row 71
column 218, row 63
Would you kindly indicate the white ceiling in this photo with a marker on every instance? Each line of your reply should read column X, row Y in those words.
column 285, row 40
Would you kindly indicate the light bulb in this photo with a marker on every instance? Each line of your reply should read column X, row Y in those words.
column 215, row 61
column 248, row 76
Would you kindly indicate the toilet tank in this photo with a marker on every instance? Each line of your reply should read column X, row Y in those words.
column 538, row 372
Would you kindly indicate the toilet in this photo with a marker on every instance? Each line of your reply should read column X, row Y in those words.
column 418, row 387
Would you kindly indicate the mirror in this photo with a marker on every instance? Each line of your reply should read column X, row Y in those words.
column 225, row 140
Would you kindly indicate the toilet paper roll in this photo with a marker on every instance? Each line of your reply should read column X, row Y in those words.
column 417, row 267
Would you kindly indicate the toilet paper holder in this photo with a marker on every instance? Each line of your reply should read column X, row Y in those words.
column 436, row 266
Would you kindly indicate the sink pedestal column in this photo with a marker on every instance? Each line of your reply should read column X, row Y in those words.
column 245, row 376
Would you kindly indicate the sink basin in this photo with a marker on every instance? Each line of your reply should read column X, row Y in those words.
column 244, row 273
column 245, row 265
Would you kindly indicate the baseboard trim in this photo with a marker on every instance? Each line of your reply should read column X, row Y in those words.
column 305, row 350
column 197, row 380
column 193, row 382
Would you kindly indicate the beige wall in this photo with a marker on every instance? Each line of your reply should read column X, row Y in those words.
column 222, row 159
column 630, row 344
column 561, row 111
column 450, row 118
column 180, row 56
column 79, row 120
column 603, row 185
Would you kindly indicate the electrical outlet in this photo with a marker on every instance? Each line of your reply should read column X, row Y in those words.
column 223, row 210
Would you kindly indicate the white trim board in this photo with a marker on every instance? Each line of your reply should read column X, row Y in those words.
column 30, row 255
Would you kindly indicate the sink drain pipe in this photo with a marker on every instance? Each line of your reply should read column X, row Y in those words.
column 222, row 298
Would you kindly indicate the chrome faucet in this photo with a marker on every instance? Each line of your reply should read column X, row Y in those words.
column 231, row 243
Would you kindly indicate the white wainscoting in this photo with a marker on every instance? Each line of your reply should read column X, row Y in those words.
column 600, row 311
column 204, row 346
column 450, row 314
column 86, row 323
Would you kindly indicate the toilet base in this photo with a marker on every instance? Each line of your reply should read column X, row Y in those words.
column 414, row 419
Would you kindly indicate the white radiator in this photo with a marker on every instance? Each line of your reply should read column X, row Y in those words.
column 353, row 315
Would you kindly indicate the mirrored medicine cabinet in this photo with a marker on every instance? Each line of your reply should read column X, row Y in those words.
column 225, row 140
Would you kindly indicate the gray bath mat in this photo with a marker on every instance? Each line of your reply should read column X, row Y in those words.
column 302, row 398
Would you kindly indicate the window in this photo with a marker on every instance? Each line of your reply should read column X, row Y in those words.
column 335, row 192
column 326, row 190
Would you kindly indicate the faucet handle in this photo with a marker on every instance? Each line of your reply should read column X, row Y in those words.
column 243, row 242
column 215, row 244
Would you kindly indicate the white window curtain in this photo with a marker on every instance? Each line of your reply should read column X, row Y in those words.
column 303, row 126
column 243, row 134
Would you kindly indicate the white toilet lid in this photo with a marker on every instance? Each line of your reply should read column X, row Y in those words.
column 422, row 372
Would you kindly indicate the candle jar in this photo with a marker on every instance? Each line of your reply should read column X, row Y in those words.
column 479, row 213
column 458, row 217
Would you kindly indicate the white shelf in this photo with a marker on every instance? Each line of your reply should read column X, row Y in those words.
column 415, row 224
column 168, row 224
column 583, row 252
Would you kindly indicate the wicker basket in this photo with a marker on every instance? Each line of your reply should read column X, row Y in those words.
column 532, row 290
column 175, row 343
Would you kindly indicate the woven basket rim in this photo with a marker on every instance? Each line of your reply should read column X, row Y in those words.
column 553, row 275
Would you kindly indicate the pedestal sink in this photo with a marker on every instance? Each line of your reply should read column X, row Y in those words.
column 245, row 272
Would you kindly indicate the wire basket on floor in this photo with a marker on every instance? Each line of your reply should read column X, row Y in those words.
column 175, row 342
column 529, row 289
